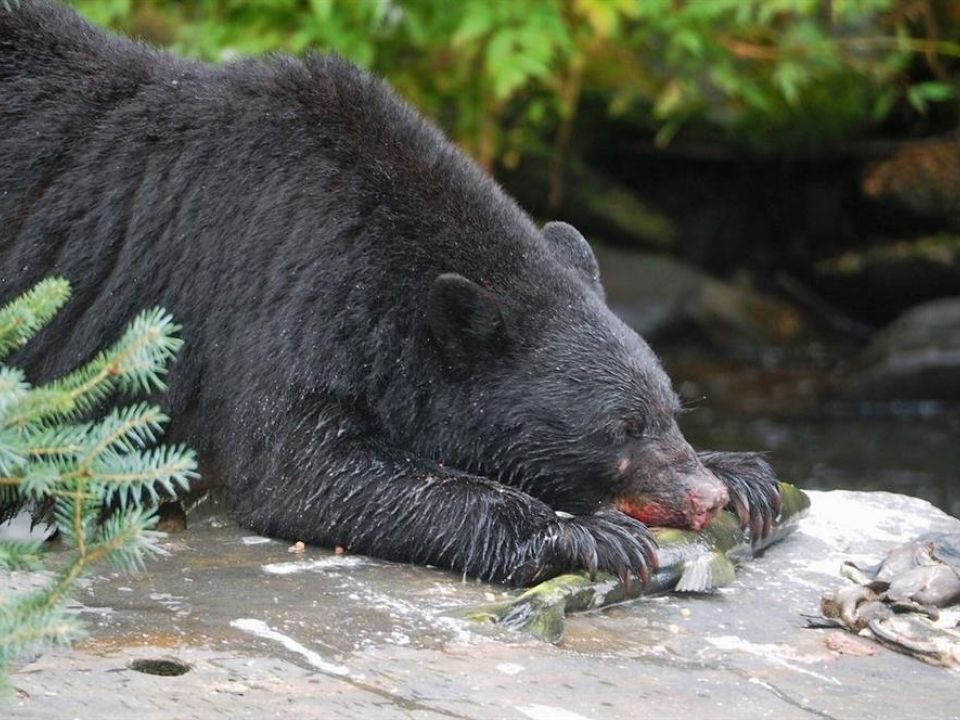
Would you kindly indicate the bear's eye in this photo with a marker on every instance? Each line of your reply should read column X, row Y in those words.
column 635, row 428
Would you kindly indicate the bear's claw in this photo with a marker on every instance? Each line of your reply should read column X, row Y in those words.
column 753, row 488
column 609, row 541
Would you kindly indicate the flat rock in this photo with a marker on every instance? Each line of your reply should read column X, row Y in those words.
column 262, row 632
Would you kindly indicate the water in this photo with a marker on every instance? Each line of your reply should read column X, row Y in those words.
column 914, row 456
column 819, row 444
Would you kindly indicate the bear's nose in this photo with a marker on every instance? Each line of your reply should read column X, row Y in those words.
column 704, row 502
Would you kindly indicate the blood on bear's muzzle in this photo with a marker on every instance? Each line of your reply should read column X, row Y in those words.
column 689, row 502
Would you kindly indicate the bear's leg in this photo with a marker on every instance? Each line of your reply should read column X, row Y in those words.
column 390, row 506
column 752, row 485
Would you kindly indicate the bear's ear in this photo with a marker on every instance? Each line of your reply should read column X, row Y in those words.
column 574, row 252
column 465, row 319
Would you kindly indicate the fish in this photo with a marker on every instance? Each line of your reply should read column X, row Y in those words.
column 909, row 602
column 688, row 561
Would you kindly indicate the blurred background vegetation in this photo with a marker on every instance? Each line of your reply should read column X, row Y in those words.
column 772, row 186
column 509, row 76
column 596, row 93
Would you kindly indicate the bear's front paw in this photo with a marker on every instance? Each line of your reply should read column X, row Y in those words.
column 623, row 544
column 608, row 540
column 753, row 487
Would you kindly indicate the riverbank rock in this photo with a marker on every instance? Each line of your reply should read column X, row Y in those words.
column 916, row 358
column 878, row 283
column 595, row 204
column 923, row 177
column 257, row 632
column 661, row 298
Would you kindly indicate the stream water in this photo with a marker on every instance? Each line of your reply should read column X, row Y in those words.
column 818, row 444
column 911, row 455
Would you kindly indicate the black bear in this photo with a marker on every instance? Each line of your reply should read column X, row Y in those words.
column 383, row 351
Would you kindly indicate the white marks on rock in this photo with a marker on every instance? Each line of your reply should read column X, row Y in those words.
column 177, row 604
column 781, row 655
column 549, row 712
column 262, row 630
column 391, row 619
column 334, row 562
column 399, row 638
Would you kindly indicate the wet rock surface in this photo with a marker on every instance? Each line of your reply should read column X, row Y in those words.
column 262, row 632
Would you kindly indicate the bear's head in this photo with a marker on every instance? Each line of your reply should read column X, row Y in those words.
column 546, row 390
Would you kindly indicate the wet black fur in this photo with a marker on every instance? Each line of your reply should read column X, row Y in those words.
column 382, row 350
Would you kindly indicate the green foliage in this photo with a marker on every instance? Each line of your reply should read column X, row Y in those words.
column 504, row 75
column 19, row 321
column 53, row 455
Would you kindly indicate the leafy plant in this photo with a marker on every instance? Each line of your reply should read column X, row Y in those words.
column 97, row 478
column 506, row 77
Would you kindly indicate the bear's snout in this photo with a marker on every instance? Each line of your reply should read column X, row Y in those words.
column 705, row 501
column 682, row 493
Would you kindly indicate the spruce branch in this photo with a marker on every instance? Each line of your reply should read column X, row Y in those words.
column 11, row 451
column 21, row 555
column 52, row 629
column 125, row 430
column 137, row 362
column 56, row 442
column 23, row 628
column 125, row 539
column 22, row 318
column 97, row 478
column 38, row 480
column 127, row 476
column 12, row 388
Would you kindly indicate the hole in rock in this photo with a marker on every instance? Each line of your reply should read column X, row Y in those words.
column 160, row 667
